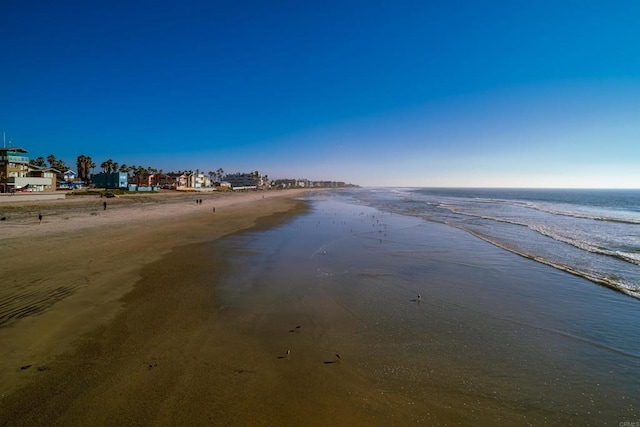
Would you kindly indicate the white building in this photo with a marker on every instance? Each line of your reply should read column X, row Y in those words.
column 69, row 176
column 244, row 180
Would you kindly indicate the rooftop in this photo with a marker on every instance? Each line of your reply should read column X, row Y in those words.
column 13, row 149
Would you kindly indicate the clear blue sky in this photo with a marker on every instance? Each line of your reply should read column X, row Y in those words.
column 399, row 93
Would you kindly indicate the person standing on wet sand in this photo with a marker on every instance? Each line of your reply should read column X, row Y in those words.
column 40, row 218
column 104, row 205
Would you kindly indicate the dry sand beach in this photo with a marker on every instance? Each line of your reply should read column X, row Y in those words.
column 104, row 318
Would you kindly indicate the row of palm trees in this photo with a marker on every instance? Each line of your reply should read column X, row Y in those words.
column 217, row 174
column 85, row 166
column 53, row 163
column 109, row 166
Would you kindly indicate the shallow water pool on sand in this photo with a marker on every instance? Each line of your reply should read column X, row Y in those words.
column 494, row 339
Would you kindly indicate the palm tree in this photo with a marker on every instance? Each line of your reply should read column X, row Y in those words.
column 139, row 172
column 81, row 163
column 83, row 167
column 39, row 162
column 109, row 166
column 56, row 164
column 52, row 160
column 87, row 165
column 220, row 174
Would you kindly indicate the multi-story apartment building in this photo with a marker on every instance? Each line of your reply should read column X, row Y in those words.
column 110, row 180
column 17, row 174
column 198, row 180
column 243, row 180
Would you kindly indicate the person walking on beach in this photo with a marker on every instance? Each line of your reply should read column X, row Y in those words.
column 40, row 218
column 104, row 205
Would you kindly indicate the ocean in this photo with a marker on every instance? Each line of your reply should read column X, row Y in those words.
column 447, row 306
column 590, row 233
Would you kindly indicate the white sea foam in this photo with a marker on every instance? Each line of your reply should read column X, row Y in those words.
column 578, row 243
column 589, row 234
column 577, row 240
column 608, row 281
column 629, row 256
column 570, row 211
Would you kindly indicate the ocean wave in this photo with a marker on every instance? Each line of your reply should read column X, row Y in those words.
column 458, row 211
column 578, row 214
column 481, row 216
column 581, row 244
column 556, row 209
column 612, row 282
column 597, row 207
column 629, row 256
column 633, row 258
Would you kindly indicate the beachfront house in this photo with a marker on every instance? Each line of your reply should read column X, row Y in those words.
column 305, row 183
column 198, row 180
column 40, row 179
column 243, row 181
column 111, row 180
column 13, row 164
column 16, row 174
column 162, row 180
column 181, row 181
column 69, row 176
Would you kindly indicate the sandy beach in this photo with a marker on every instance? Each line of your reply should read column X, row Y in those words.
column 87, row 309
column 158, row 311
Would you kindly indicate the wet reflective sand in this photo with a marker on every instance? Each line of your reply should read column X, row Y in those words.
column 494, row 339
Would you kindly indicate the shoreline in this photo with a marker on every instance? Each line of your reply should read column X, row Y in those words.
column 71, row 276
column 497, row 339
column 245, row 330
column 600, row 281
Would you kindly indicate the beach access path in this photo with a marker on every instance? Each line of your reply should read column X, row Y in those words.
column 67, row 276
